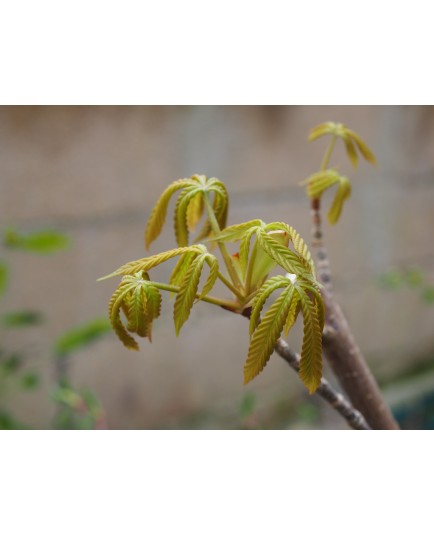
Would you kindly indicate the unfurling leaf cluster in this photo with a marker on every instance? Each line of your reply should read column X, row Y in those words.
column 319, row 182
column 262, row 248
column 193, row 194
column 140, row 299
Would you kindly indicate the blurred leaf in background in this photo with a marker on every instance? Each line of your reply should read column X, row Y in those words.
column 40, row 242
column 77, row 410
column 22, row 319
column 82, row 336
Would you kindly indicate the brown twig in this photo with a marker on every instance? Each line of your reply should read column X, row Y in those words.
column 340, row 348
column 338, row 402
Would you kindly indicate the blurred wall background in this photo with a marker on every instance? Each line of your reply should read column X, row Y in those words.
column 95, row 173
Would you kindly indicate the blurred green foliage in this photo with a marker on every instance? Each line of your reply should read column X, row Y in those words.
column 411, row 277
column 76, row 410
column 40, row 242
column 22, row 319
column 81, row 336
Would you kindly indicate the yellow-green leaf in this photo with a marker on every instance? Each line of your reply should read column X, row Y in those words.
column 238, row 231
column 137, row 321
column 220, row 207
column 311, row 351
column 321, row 181
column 321, row 130
column 343, row 192
column 187, row 293
column 180, row 222
column 351, row 152
column 245, row 251
column 158, row 215
column 181, row 267
column 363, row 148
column 266, row 335
column 145, row 264
column 293, row 312
column 153, row 309
column 282, row 255
column 221, row 201
column 194, row 211
column 213, row 274
column 300, row 245
column 114, row 315
column 263, row 294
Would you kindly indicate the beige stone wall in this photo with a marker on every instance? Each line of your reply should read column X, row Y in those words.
column 95, row 172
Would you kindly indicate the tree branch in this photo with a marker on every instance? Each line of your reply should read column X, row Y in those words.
column 338, row 402
column 340, row 348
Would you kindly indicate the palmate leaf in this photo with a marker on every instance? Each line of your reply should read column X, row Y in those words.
column 144, row 307
column 270, row 249
column 189, row 288
column 299, row 294
column 140, row 301
column 189, row 208
column 265, row 336
column 319, row 182
column 349, row 138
